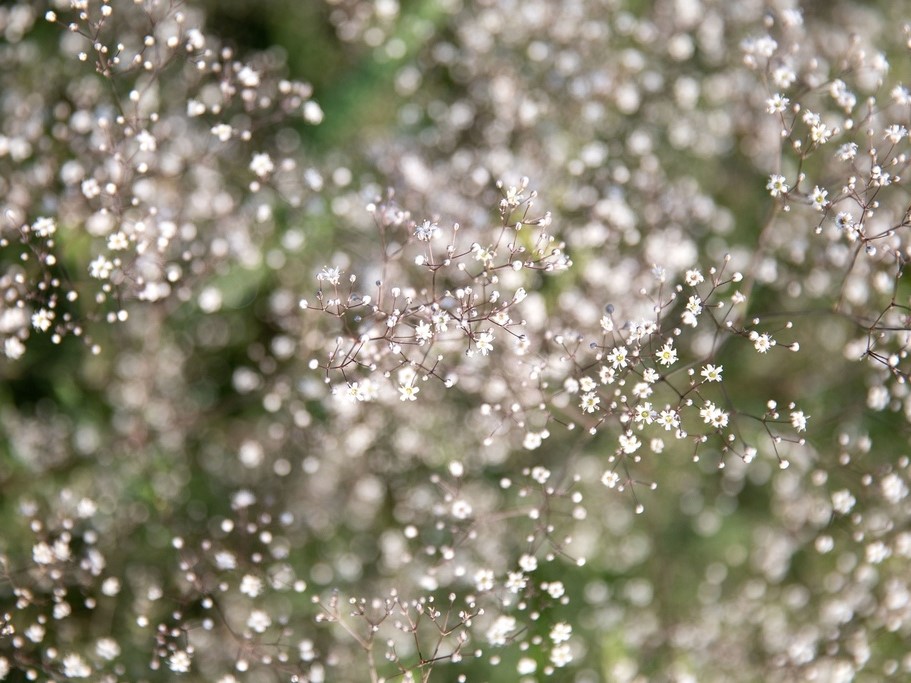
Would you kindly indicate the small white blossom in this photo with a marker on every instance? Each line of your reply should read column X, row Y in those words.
column 669, row 419
column 107, row 648
column 259, row 621
column 712, row 373
column 777, row 103
column 668, row 354
column 762, row 342
column 894, row 488
column 629, row 443
column 777, row 185
column 251, row 586
column 499, row 632
column 590, row 401
column 426, row 231
column 561, row 655
column 42, row 319
column 75, row 667
column 818, row 198
column 484, row 580
column 261, row 164
column 528, row 563
column 847, row 151
column 617, row 357
column 179, row 662
column 484, row 342
column 101, row 268
column 515, row 581
column 44, row 227
column 408, row 392
column 330, row 275
column 610, row 479
column 799, row 420
column 843, row 501
column 561, row 632
column 461, row 509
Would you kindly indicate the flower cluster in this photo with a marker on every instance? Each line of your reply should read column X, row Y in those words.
column 438, row 382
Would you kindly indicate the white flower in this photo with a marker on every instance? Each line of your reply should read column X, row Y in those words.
column 13, row 348
column 107, row 648
column 843, row 501
column 761, row 342
column 693, row 277
column 561, row 632
column 540, row 474
column 629, row 443
column 484, row 580
column 423, row 331
column 668, row 354
column 259, row 621
column 408, row 392
column 147, row 141
column 179, row 662
column 426, row 231
column 515, row 581
column 75, row 667
column 461, row 509
column 877, row 552
column 261, row 164
column 42, row 319
column 248, row 77
column 242, row 499
column 617, row 357
column 223, row 132
column 330, row 275
column 777, row 185
column 713, row 415
column 712, row 373
column 555, row 589
column 528, row 563
column 818, row 198
column 500, row 630
column 610, row 479
column 777, row 103
column 195, row 108
column 895, row 133
column 606, row 375
column 526, row 666
column 669, row 419
column 644, row 413
column 118, row 241
column 531, row 441
column 225, row 560
column 799, row 420
column 820, row 133
column 251, row 585
column 313, row 113
column 893, row 488
column 44, row 227
column 483, row 254
column 561, row 655
column 484, row 342
column 847, row 151
column 101, row 268
column 440, row 320
column 42, row 553
column 590, row 402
